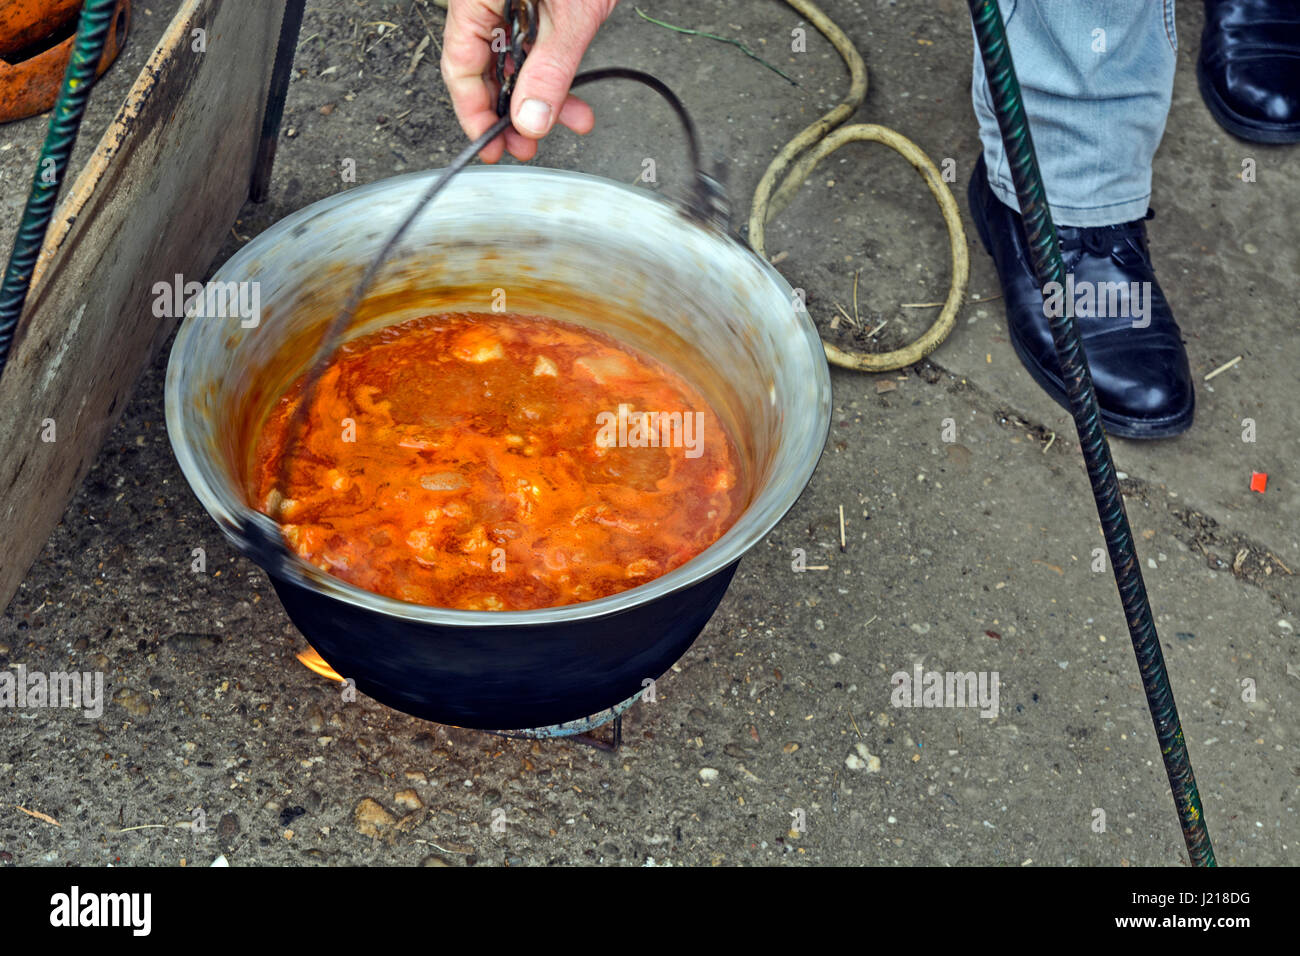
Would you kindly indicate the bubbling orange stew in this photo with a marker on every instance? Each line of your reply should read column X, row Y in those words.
column 497, row 462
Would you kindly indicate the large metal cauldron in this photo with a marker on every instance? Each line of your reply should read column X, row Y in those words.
column 570, row 246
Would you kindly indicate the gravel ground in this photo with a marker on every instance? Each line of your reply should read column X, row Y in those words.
column 774, row 739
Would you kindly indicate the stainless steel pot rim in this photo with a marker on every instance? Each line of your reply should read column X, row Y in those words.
column 232, row 515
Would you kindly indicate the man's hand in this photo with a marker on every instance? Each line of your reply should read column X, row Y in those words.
column 541, row 96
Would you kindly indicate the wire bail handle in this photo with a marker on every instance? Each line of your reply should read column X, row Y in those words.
column 708, row 201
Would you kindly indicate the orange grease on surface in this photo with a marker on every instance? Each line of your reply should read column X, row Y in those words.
column 475, row 478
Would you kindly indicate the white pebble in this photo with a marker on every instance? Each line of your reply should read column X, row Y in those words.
column 864, row 759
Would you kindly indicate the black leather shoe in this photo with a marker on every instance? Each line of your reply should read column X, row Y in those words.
column 1133, row 345
column 1249, row 68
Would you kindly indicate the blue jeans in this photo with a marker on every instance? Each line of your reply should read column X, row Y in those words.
column 1096, row 77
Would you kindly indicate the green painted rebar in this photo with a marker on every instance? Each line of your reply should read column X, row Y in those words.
column 991, row 37
column 65, row 120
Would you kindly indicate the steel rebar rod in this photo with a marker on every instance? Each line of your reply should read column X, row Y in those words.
column 65, row 120
column 1045, row 251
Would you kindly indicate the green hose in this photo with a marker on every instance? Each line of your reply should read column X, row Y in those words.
column 92, row 34
column 1044, row 249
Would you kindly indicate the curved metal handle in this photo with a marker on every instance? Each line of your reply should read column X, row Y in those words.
column 708, row 202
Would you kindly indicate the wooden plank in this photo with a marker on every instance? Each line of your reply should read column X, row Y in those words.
column 156, row 199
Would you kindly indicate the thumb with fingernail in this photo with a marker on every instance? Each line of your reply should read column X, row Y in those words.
column 541, row 97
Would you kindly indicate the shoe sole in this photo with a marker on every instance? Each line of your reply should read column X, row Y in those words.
column 1117, row 425
column 1240, row 126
